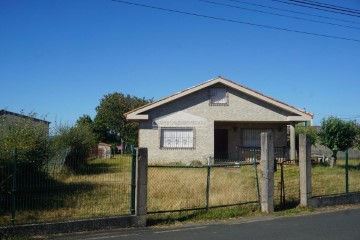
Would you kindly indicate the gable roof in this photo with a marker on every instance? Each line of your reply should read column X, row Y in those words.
column 300, row 115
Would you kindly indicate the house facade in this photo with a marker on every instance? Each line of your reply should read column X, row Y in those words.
column 218, row 119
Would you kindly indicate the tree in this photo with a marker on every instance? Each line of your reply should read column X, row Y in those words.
column 337, row 135
column 84, row 120
column 110, row 123
column 357, row 141
column 308, row 131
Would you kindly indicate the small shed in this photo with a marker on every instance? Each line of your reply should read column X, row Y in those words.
column 104, row 150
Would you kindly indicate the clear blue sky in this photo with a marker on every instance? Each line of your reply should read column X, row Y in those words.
column 58, row 58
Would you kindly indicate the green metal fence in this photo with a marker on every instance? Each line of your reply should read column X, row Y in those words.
column 60, row 186
column 343, row 178
column 184, row 188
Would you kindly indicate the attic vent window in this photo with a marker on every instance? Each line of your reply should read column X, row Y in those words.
column 218, row 97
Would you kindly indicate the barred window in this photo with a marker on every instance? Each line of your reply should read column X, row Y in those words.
column 252, row 137
column 218, row 97
column 177, row 138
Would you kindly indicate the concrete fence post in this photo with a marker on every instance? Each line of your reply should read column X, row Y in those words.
column 141, row 187
column 267, row 172
column 305, row 169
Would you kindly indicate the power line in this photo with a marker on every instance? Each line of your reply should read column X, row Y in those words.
column 321, row 9
column 286, row 10
column 235, row 21
column 277, row 14
column 333, row 7
column 326, row 4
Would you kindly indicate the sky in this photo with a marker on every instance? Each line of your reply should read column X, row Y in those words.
column 58, row 58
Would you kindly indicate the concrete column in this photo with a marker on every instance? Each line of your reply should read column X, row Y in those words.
column 141, row 187
column 292, row 141
column 267, row 172
column 305, row 169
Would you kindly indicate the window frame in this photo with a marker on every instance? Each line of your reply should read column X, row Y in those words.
column 162, row 140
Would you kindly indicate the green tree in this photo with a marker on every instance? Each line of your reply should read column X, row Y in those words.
column 357, row 141
column 308, row 130
column 337, row 134
column 110, row 123
column 80, row 139
column 85, row 120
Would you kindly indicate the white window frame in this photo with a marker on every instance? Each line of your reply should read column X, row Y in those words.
column 177, row 138
column 218, row 96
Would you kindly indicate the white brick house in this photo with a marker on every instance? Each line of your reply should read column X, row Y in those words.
column 215, row 119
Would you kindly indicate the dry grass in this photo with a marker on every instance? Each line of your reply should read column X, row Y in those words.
column 103, row 189
column 326, row 180
column 185, row 188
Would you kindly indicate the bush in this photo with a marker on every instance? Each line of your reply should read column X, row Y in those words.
column 81, row 141
column 29, row 137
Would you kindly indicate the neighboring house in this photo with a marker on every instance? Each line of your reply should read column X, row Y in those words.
column 11, row 116
column 216, row 119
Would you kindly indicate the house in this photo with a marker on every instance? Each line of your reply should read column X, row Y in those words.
column 12, row 116
column 218, row 119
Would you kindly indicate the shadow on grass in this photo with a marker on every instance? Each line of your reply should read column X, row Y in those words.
column 38, row 192
column 94, row 169
column 98, row 166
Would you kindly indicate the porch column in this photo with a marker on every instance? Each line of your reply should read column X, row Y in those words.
column 292, row 141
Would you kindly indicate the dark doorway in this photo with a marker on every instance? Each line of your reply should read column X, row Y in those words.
column 221, row 143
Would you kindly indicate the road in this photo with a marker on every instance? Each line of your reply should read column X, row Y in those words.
column 343, row 224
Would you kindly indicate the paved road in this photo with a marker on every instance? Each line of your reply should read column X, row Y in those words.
column 343, row 225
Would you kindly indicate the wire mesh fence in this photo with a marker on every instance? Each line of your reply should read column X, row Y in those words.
column 328, row 180
column 60, row 186
column 180, row 188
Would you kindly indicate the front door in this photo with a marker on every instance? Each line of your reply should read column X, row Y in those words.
column 221, row 144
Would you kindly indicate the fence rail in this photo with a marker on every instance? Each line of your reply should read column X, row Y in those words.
column 185, row 188
column 58, row 187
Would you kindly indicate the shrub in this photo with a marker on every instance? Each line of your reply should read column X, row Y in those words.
column 29, row 137
column 80, row 139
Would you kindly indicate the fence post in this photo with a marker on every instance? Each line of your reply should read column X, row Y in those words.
column 141, row 187
column 13, row 189
column 347, row 171
column 267, row 172
column 133, row 185
column 305, row 169
column 256, row 177
column 207, row 188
